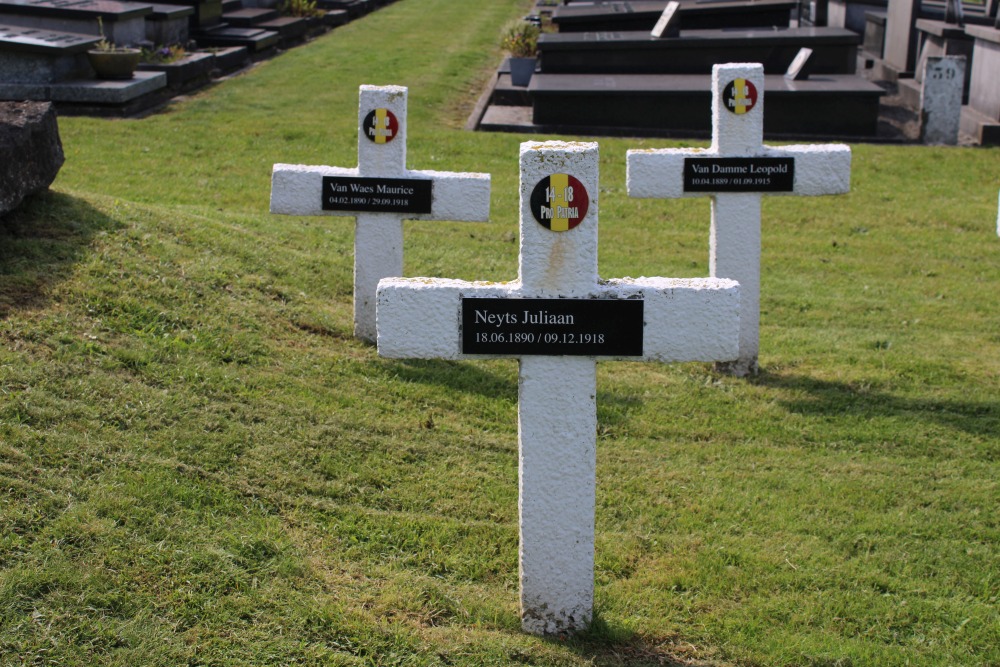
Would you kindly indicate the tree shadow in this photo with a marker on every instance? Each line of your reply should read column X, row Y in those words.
column 39, row 243
column 826, row 398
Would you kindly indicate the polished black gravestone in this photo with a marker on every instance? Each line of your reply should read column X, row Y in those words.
column 680, row 104
column 247, row 17
column 168, row 24
column 209, row 29
column 694, row 15
column 696, row 51
column 207, row 13
column 256, row 40
column 354, row 8
column 290, row 29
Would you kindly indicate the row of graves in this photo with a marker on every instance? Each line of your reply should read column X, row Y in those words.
column 951, row 44
column 559, row 318
column 644, row 67
column 119, row 57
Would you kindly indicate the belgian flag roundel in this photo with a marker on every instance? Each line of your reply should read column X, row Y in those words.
column 739, row 96
column 380, row 126
column 559, row 202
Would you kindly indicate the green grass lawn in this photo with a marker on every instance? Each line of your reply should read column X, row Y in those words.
column 200, row 466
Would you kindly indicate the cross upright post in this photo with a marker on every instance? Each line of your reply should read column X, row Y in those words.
column 735, row 172
column 558, row 319
column 379, row 193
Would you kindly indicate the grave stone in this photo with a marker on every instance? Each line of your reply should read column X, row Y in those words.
column 694, row 15
column 354, row 8
column 558, row 319
column 36, row 56
column 168, row 25
column 257, row 40
column 900, row 48
column 379, row 193
column 850, row 14
column 873, row 47
column 192, row 71
column 941, row 99
column 827, row 105
column 814, row 12
column 936, row 38
column 123, row 22
column 37, row 64
column 696, row 51
column 981, row 117
column 736, row 171
column 207, row 13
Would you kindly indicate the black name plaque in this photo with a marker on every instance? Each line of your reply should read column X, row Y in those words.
column 381, row 195
column 581, row 327
column 739, row 174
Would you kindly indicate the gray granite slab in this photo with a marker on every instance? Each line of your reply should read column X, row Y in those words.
column 93, row 91
column 37, row 40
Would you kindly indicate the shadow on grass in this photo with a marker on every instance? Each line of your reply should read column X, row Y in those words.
column 612, row 407
column 459, row 376
column 39, row 242
column 977, row 418
column 604, row 644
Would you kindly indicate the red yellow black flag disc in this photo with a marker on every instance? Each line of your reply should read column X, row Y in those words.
column 380, row 126
column 559, row 202
column 739, row 96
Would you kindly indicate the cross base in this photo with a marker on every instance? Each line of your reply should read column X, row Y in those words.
column 740, row 368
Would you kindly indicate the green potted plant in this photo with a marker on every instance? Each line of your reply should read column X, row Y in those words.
column 110, row 61
column 520, row 39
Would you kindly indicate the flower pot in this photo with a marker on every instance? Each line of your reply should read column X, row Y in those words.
column 521, row 70
column 116, row 64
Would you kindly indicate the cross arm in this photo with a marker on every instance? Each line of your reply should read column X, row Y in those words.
column 421, row 318
column 461, row 196
column 298, row 190
column 819, row 169
column 683, row 319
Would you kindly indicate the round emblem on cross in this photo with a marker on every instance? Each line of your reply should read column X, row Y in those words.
column 559, row 202
column 739, row 96
column 380, row 126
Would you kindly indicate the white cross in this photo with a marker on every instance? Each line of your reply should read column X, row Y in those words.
column 557, row 342
column 737, row 134
column 378, row 232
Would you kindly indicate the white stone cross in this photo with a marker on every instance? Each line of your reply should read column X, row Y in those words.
column 558, row 319
column 380, row 193
column 735, row 171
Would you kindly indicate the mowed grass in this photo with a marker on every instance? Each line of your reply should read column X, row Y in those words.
column 200, row 466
